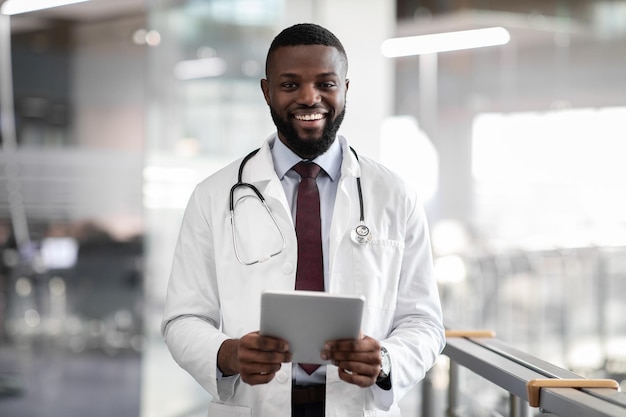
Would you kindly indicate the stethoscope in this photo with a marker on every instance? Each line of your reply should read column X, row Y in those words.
column 361, row 233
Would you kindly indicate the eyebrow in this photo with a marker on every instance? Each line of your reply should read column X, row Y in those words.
column 322, row 75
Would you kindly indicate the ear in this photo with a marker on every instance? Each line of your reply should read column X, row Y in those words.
column 347, row 84
column 265, row 87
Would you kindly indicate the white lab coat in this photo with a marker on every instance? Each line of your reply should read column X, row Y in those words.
column 212, row 297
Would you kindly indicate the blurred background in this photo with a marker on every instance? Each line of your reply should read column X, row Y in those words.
column 112, row 110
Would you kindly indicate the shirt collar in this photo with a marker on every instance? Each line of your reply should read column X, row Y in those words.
column 284, row 159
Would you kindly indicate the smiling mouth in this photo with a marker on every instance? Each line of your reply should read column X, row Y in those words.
column 309, row 117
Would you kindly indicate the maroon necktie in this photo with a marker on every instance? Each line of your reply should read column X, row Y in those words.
column 310, row 271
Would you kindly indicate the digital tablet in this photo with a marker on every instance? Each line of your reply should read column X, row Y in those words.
column 307, row 319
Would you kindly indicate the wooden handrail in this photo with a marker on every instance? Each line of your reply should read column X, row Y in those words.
column 534, row 386
column 523, row 376
column 470, row 333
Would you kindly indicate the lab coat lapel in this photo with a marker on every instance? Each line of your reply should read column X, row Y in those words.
column 259, row 171
column 346, row 210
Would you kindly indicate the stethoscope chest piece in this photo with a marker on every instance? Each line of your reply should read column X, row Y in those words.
column 361, row 234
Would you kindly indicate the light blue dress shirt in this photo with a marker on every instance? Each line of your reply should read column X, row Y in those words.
column 330, row 161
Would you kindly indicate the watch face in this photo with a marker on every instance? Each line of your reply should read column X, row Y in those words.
column 386, row 362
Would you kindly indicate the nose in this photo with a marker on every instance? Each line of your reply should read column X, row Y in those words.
column 308, row 95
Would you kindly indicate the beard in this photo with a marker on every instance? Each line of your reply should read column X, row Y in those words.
column 308, row 148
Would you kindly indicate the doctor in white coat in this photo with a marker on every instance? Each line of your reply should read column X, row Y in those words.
column 211, row 316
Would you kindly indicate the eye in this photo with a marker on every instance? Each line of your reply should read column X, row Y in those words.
column 327, row 84
column 289, row 85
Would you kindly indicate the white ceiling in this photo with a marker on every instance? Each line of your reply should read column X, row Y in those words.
column 92, row 10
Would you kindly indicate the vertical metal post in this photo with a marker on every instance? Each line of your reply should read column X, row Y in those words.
column 427, row 395
column 453, row 389
column 9, row 137
column 518, row 407
column 513, row 405
column 601, row 301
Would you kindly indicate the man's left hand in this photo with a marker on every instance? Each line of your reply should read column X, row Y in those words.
column 358, row 360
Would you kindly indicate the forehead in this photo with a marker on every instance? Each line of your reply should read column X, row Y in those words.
column 320, row 59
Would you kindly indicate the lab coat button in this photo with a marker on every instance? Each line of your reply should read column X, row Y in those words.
column 282, row 377
column 288, row 268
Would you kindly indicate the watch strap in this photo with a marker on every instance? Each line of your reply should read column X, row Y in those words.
column 384, row 377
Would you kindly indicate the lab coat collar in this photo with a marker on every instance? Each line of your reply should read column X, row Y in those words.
column 350, row 166
column 259, row 171
column 260, row 168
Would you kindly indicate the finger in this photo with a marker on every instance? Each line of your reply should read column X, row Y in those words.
column 360, row 380
column 359, row 368
column 255, row 358
column 254, row 348
column 364, row 344
column 369, row 358
column 253, row 368
column 273, row 344
column 255, row 341
column 256, row 378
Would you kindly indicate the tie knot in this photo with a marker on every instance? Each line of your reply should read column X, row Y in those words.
column 307, row 169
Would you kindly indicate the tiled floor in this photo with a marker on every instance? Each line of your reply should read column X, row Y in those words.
column 49, row 382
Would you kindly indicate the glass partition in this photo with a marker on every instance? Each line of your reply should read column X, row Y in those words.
column 71, row 216
column 528, row 220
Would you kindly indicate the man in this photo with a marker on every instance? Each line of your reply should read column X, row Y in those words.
column 220, row 269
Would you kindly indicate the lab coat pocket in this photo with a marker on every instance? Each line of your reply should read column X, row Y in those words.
column 376, row 273
column 225, row 410
column 377, row 267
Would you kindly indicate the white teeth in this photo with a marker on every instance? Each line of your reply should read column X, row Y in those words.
column 308, row 117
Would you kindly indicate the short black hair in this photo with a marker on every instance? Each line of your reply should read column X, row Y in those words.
column 305, row 34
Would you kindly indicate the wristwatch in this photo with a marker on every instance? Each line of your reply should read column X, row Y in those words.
column 385, row 369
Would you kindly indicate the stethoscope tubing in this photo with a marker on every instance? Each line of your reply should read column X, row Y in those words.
column 361, row 234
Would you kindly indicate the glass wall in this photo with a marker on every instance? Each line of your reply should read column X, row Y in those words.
column 71, row 215
column 528, row 221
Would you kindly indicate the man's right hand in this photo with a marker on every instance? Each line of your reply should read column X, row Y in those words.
column 254, row 357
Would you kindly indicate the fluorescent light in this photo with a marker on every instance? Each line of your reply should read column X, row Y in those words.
column 442, row 42
column 23, row 6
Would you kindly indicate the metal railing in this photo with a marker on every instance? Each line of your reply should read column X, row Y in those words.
column 534, row 386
